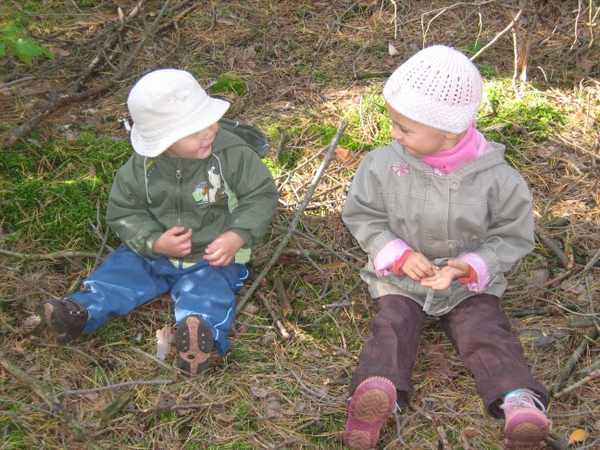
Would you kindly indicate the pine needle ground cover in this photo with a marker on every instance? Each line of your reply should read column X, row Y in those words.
column 297, row 70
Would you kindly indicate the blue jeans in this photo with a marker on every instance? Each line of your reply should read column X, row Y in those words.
column 126, row 280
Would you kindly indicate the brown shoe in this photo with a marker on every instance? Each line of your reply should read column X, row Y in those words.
column 194, row 342
column 65, row 318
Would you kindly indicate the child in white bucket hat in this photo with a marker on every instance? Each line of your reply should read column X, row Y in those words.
column 441, row 216
column 189, row 205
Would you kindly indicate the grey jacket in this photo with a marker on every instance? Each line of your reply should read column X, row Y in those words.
column 231, row 190
column 483, row 207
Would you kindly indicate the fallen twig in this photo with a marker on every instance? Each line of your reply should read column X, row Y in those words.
column 50, row 400
column 166, row 407
column 565, row 373
column 284, row 300
column 592, row 376
column 443, row 443
column 503, row 32
column 290, row 230
column 311, row 253
column 48, row 256
column 113, row 386
column 554, row 444
column 72, row 95
column 548, row 242
column 589, row 369
column 273, row 314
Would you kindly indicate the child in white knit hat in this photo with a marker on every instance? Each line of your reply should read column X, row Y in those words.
column 189, row 204
column 441, row 216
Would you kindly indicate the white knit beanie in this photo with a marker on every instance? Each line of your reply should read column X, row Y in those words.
column 438, row 87
column 167, row 105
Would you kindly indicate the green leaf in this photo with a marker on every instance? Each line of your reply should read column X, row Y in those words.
column 23, row 57
column 27, row 47
column 2, row 49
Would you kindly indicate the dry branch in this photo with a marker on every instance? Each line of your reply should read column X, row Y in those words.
column 113, row 387
column 284, row 300
column 592, row 376
column 562, row 257
column 184, row 406
column 73, row 96
column 443, row 443
column 326, row 160
column 565, row 373
column 503, row 32
column 49, row 399
column 48, row 256
column 267, row 304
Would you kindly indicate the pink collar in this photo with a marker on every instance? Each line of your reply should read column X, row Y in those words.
column 464, row 151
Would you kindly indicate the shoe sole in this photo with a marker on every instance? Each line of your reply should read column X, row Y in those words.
column 53, row 322
column 370, row 407
column 531, row 430
column 194, row 342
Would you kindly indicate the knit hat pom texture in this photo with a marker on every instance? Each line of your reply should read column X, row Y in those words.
column 438, row 87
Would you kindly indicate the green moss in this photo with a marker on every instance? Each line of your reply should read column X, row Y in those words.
column 50, row 194
column 230, row 85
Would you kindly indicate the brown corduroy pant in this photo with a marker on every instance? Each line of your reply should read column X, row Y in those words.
column 477, row 329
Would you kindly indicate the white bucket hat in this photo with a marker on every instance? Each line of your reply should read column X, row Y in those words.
column 438, row 87
column 167, row 105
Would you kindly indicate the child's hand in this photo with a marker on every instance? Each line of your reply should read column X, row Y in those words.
column 456, row 268
column 417, row 267
column 221, row 251
column 175, row 242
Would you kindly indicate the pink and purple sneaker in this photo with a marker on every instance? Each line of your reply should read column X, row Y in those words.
column 372, row 404
column 526, row 424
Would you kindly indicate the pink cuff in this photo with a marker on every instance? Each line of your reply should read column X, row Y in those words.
column 397, row 267
column 387, row 256
column 472, row 277
column 479, row 281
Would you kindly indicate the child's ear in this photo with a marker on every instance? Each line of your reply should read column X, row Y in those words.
column 454, row 136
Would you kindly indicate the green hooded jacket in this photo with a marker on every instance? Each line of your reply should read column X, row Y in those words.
column 231, row 190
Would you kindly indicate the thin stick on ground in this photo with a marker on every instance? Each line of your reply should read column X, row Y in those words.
column 284, row 300
column 503, row 32
column 443, row 442
column 71, row 97
column 565, row 373
column 267, row 304
column 326, row 160
column 113, row 386
column 50, row 400
column 592, row 376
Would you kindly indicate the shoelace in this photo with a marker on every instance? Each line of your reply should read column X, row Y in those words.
column 74, row 307
column 523, row 398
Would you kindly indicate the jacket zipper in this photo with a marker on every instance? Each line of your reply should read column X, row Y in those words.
column 178, row 203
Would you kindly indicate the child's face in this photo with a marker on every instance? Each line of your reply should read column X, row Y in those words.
column 419, row 140
column 195, row 146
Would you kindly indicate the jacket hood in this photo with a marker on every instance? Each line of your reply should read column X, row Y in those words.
column 251, row 135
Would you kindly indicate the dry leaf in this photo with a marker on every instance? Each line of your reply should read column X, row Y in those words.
column 343, row 155
column 582, row 118
column 224, row 418
column 59, row 52
column 539, row 277
column 577, row 436
column 438, row 365
column 31, row 322
column 469, row 432
column 259, row 392
column 164, row 337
